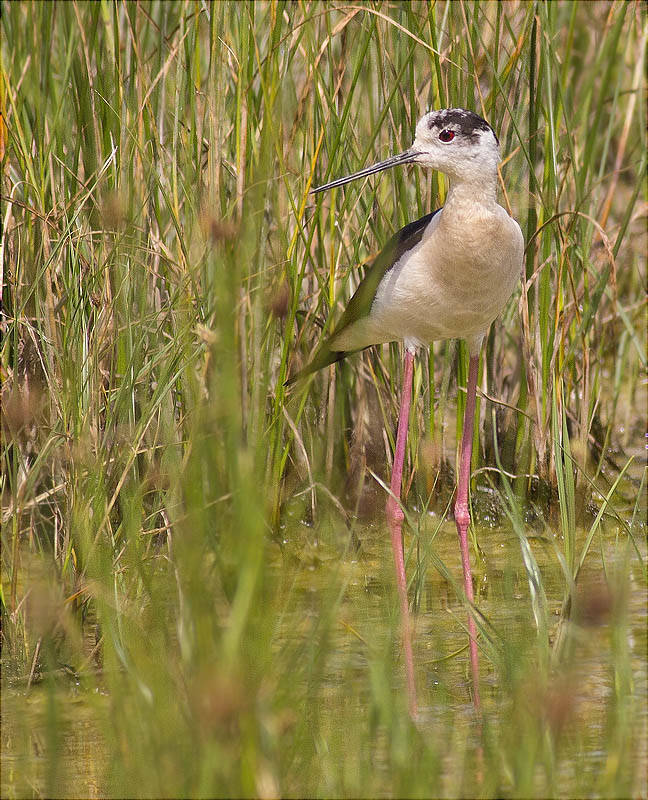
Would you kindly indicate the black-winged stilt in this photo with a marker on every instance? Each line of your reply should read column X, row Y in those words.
column 447, row 275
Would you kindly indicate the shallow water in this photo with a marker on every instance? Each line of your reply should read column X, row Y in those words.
column 319, row 567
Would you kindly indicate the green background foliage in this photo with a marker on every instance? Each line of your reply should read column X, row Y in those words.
column 196, row 596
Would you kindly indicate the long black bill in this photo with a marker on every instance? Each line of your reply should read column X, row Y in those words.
column 407, row 157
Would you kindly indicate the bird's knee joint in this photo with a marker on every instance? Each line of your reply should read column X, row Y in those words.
column 462, row 515
column 394, row 511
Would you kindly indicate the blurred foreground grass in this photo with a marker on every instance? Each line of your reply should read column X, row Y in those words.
column 190, row 605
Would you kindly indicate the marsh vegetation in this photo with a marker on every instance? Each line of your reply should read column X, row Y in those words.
column 197, row 592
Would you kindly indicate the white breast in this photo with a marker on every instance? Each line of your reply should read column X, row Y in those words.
column 454, row 282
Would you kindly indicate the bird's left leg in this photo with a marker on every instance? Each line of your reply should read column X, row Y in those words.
column 395, row 518
column 462, row 514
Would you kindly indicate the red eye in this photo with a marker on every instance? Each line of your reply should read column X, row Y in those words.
column 446, row 135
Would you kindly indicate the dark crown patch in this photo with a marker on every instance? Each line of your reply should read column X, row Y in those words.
column 465, row 122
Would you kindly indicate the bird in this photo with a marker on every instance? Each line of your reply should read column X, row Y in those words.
column 447, row 275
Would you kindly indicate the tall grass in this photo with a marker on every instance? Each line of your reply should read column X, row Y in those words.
column 180, row 530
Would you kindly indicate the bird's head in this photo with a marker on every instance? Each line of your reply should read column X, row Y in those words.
column 454, row 141
column 457, row 142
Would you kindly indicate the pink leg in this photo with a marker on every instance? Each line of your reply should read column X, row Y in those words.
column 462, row 514
column 395, row 518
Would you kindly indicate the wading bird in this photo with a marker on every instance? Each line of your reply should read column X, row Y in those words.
column 446, row 276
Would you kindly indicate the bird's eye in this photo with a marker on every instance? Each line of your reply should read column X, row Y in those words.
column 447, row 135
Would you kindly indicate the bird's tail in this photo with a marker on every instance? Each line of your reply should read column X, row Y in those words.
column 322, row 358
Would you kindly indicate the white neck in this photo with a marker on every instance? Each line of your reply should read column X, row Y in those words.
column 481, row 191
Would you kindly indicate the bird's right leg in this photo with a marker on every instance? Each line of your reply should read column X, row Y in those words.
column 395, row 518
column 462, row 514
